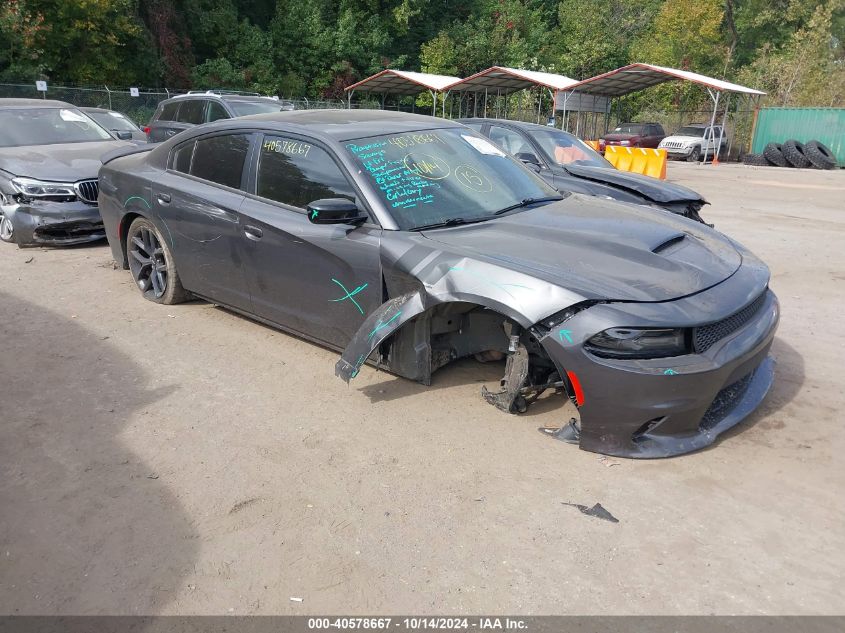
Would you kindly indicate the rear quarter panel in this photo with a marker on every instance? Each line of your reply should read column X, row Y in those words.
column 125, row 192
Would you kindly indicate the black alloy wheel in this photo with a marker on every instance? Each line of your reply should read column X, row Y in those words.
column 151, row 264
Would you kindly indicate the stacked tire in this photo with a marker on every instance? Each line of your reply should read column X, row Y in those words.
column 792, row 153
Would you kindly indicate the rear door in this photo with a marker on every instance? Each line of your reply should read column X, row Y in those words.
column 320, row 280
column 163, row 126
column 198, row 200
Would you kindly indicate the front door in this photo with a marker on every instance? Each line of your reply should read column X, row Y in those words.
column 320, row 280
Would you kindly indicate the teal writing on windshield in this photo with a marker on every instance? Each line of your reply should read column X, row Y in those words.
column 403, row 183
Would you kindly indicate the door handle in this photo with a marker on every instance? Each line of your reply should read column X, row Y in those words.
column 253, row 232
column 163, row 198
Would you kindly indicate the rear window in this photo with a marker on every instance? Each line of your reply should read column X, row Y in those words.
column 221, row 159
column 192, row 111
column 245, row 108
column 168, row 112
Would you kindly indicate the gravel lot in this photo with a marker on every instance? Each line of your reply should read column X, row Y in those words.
column 186, row 460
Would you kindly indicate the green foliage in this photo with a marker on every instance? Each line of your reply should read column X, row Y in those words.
column 315, row 48
column 809, row 68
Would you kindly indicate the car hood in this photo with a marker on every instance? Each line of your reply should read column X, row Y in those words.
column 64, row 162
column 651, row 188
column 683, row 139
column 600, row 249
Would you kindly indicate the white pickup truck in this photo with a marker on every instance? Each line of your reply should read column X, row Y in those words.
column 691, row 141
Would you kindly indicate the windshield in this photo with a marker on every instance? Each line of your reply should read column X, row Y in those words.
column 564, row 149
column 630, row 128
column 435, row 176
column 245, row 108
column 47, row 126
column 690, row 131
column 113, row 121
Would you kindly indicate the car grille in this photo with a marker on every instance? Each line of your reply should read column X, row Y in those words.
column 672, row 144
column 87, row 190
column 703, row 337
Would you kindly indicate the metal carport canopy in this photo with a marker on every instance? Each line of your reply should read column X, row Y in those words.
column 402, row 82
column 634, row 77
column 504, row 81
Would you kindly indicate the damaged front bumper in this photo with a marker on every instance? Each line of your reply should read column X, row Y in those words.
column 662, row 407
column 48, row 223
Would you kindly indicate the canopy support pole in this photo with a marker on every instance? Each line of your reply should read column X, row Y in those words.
column 709, row 135
column 433, row 103
column 722, row 129
column 485, row 103
column 443, row 109
column 349, row 99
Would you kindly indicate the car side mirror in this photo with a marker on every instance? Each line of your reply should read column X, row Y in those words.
column 335, row 211
column 530, row 160
column 123, row 135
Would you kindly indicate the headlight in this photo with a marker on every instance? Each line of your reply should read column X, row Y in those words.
column 624, row 142
column 620, row 342
column 41, row 189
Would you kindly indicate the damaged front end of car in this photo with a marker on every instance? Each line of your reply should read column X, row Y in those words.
column 36, row 213
column 647, row 391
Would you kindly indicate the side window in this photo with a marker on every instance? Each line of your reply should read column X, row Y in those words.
column 168, row 112
column 192, row 111
column 221, row 159
column 294, row 172
column 658, row 130
column 216, row 112
column 181, row 158
column 512, row 142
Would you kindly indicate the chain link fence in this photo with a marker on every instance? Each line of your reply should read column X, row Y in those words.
column 140, row 109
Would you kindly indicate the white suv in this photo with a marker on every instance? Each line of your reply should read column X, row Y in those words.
column 691, row 141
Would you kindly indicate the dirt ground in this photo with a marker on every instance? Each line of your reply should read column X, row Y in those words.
column 185, row 460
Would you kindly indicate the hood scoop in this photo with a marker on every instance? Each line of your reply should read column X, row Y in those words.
column 675, row 240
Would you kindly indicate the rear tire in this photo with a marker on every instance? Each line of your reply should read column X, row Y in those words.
column 793, row 151
column 774, row 154
column 819, row 155
column 151, row 264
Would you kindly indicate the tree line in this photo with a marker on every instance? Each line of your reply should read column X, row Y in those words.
column 792, row 49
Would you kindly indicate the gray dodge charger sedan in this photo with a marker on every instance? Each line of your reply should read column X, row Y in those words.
column 408, row 242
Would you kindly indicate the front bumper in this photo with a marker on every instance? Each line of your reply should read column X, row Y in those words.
column 55, row 223
column 677, row 152
column 668, row 406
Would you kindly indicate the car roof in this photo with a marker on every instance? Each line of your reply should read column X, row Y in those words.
column 222, row 97
column 340, row 125
column 34, row 103
column 518, row 124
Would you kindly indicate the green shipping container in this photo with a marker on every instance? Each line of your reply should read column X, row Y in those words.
column 776, row 125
